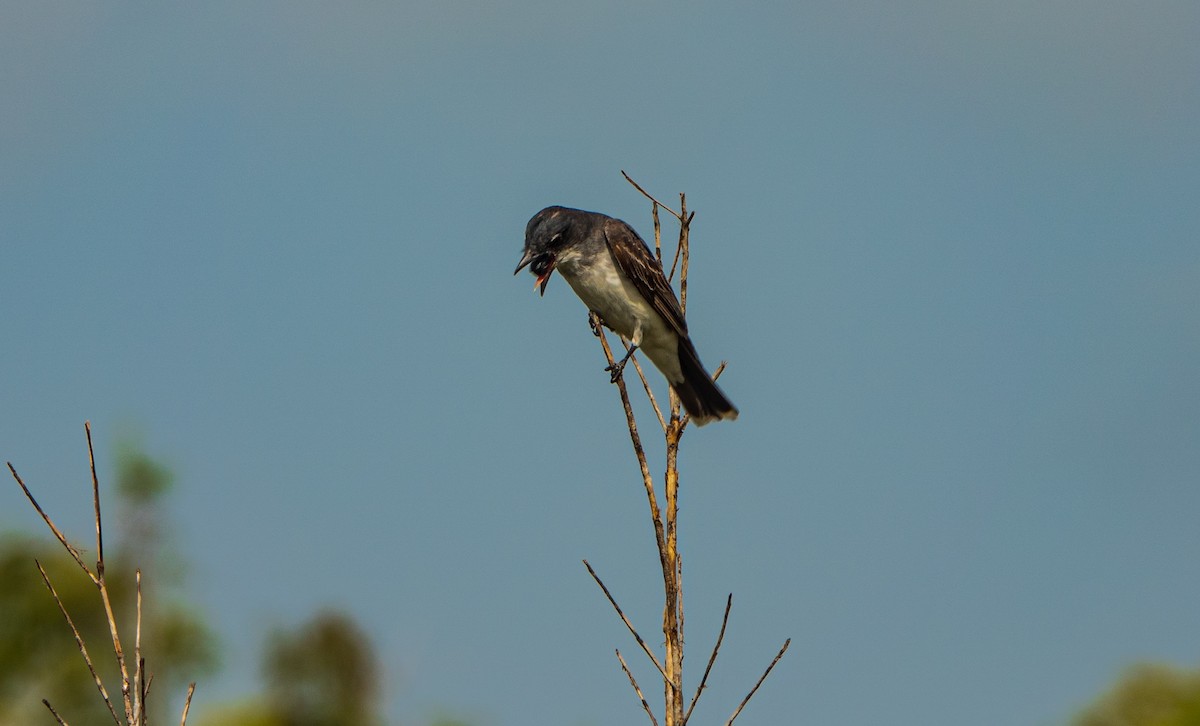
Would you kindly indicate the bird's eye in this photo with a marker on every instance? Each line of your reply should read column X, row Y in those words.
column 555, row 238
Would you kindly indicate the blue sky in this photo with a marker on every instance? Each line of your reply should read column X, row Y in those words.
column 949, row 250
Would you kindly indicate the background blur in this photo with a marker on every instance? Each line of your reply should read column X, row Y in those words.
column 949, row 251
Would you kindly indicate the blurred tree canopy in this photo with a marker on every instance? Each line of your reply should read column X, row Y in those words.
column 1148, row 695
column 322, row 673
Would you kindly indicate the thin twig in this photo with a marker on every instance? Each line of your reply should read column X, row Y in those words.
column 683, row 251
column 187, row 703
column 87, row 427
column 53, row 712
column 647, row 195
column 639, row 452
column 762, row 678
column 645, row 648
column 126, row 695
column 646, row 386
column 675, row 263
column 79, row 642
column 139, row 691
column 636, row 689
column 711, row 659
column 657, row 234
column 49, row 523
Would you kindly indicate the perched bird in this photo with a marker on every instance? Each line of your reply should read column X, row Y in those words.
column 616, row 275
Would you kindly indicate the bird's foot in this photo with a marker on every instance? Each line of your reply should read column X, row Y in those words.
column 618, row 369
column 594, row 322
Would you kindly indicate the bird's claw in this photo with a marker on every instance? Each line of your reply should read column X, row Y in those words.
column 616, row 370
column 594, row 322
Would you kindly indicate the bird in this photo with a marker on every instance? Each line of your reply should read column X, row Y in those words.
column 615, row 274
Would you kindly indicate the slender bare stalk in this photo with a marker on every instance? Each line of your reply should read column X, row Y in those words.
column 126, row 682
column 139, row 692
column 649, row 196
column 79, row 642
column 646, row 386
column 636, row 689
column 711, row 659
column 87, row 427
column 657, row 233
column 761, row 678
column 49, row 523
column 645, row 648
column 187, row 704
column 639, row 452
column 54, row 713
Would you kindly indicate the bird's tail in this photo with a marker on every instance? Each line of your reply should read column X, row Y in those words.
column 700, row 396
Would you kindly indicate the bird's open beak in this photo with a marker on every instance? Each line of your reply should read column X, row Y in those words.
column 543, row 268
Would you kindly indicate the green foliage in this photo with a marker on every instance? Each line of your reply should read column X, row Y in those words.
column 323, row 674
column 1148, row 695
column 140, row 478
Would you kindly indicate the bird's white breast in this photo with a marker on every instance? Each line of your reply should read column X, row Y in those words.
column 597, row 281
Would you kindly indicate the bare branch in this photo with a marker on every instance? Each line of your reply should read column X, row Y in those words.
column 711, row 659
column 87, row 427
column 647, row 195
column 49, row 523
column 682, row 251
column 762, row 678
column 139, row 685
column 646, row 386
column 79, row 642
column 187, row 703
column 126, row 683
column 54, row 713
column 657, row 234
column 637, row 690
column 638, row 638
column 631, row 422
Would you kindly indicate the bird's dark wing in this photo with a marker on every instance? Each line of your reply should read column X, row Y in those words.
column 638, row 263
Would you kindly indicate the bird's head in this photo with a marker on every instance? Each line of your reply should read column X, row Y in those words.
column 545, row 237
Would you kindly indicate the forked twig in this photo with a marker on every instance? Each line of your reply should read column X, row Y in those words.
column 711, row 659
column 636, row 689
column 645, row 648
column 761, row 678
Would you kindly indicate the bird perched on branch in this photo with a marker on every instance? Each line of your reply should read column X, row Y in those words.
column 616, row 275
